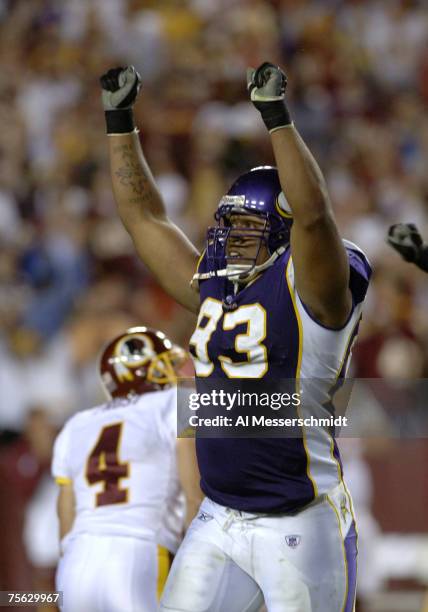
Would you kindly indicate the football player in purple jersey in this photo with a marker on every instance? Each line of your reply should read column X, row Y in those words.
column 278, row 295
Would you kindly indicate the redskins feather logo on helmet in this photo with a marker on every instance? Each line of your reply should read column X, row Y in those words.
column 138, row 361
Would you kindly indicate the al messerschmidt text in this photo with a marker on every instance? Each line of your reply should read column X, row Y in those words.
column 262, row 421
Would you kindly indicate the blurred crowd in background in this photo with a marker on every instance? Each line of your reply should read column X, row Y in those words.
column 69, row 279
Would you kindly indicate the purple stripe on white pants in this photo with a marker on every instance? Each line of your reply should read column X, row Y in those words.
column 351, row 560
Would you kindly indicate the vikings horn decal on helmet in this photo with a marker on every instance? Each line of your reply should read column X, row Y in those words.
column 257, row 192
column 138, row 361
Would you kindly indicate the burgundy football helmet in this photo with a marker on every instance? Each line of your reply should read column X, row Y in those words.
column 139, row 361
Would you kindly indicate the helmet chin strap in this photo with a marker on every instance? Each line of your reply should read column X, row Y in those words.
column 251, row 271
column 240, row 273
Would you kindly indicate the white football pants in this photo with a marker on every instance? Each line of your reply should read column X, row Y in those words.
column 108, row 574
column 231, row 560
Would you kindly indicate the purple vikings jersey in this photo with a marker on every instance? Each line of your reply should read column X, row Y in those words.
column 271, row 335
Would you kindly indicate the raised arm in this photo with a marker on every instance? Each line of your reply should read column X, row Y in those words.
column 320, row 261
column 162, row 246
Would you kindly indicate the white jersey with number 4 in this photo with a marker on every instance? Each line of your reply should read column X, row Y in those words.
column 121, row 459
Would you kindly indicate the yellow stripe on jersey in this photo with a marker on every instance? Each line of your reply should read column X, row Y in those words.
column 63, row 480
column 341, row 364
column 299, row 363
column 201, row 256
column 164, row 565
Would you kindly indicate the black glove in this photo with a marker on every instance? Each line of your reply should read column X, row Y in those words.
column 406, row 239
column 267, row 86
column 120, row 90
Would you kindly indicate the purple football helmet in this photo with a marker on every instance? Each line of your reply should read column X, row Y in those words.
column 257, row 192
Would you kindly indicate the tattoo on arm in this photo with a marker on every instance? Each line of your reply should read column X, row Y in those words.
column 121, row 148
column 130, row 173
column 131, row 176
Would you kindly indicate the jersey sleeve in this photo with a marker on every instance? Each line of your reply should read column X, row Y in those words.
column 360, row 272
column 60, row 468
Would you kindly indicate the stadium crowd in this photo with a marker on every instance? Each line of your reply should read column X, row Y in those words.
column 69, row 279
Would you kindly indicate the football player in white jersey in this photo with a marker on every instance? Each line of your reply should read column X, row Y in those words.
column 127, row 487
column 279, row 296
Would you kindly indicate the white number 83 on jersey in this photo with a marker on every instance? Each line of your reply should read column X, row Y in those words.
column 249, row 344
